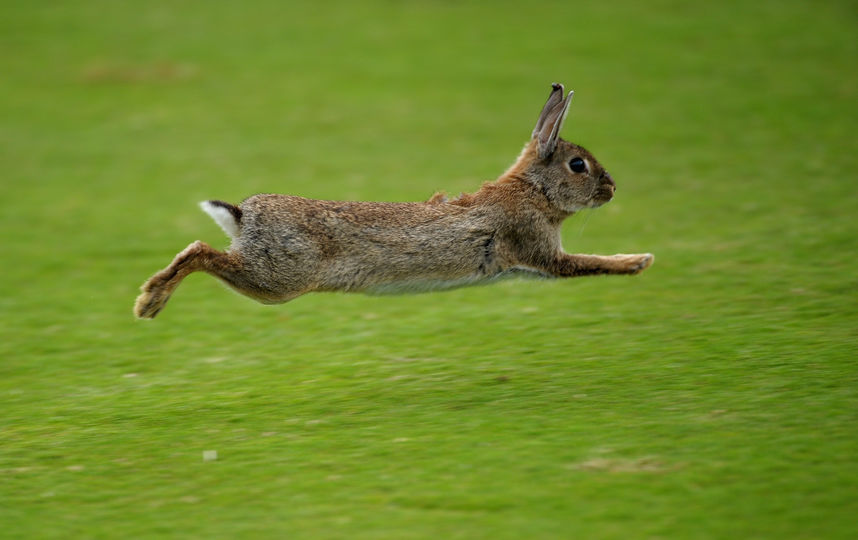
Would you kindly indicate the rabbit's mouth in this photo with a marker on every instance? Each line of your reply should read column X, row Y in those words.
column 604, row 193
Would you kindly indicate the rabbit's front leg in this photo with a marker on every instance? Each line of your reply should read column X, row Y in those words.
column 567, row 265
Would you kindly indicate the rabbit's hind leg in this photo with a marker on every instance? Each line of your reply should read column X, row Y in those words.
column 198, row 256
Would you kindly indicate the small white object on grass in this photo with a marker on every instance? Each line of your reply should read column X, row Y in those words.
column 209, row 455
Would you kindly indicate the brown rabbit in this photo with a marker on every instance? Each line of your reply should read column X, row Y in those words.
column 285, row 246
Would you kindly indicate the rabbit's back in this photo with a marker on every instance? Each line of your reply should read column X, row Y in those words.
column 366, row 246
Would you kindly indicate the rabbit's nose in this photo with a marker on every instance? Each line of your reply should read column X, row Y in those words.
column 606, row 178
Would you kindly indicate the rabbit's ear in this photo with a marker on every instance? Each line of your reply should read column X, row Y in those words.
column 550, row 121
column 553, row 99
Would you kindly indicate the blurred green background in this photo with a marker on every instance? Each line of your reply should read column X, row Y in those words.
column 712, row 396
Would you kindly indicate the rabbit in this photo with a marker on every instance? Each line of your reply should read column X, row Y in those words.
column 285, row 246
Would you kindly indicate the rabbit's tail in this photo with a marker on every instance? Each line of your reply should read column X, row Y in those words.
column 228, row 216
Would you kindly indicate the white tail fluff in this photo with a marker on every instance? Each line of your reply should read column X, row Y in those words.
column 222, row 217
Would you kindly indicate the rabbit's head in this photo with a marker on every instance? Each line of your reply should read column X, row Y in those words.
column 568, row 175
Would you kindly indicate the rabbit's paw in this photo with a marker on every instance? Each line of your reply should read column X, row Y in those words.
column 150, row 303
column 154, row 296
column 635, row 264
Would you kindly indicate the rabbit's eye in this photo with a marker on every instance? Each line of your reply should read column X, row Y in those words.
column 577, row 164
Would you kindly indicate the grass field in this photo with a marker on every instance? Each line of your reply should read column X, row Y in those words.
column 713, row 396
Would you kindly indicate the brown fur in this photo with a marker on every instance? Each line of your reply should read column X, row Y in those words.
column 289, row 246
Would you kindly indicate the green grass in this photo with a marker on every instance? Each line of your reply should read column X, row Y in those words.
column 713, row 396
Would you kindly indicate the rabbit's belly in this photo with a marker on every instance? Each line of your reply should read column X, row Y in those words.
column 420, row 285
column 414, row 286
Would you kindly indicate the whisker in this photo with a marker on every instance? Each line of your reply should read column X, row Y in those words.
column 584, row 223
